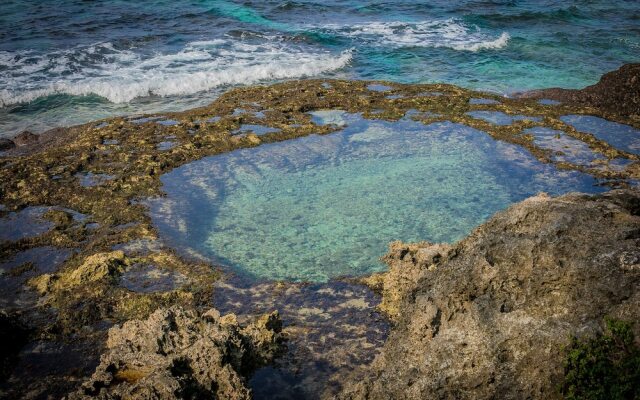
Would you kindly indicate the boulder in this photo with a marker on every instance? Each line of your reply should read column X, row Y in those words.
column 96, row 267
column 178, row 353
column 25, row 138
column 492, row 316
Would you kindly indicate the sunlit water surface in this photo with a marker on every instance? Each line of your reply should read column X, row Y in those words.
column 325, row 206
column 73, row 61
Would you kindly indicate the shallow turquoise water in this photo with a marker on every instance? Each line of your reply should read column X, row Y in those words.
column 73, row 61
column 325, row 206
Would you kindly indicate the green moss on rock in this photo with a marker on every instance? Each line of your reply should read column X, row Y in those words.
column 605, row 367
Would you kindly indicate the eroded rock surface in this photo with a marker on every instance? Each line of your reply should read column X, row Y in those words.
column 13, row 336
column 96, row 267
column 489, row 317
column 178, row 353
column 25, row 138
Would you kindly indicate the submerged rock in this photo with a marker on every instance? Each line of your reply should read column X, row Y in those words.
column 617, row 92
column 178, row 353
column 491, row 316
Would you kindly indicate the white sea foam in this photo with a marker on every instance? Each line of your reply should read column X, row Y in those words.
column 123, row 75
column 449, row 33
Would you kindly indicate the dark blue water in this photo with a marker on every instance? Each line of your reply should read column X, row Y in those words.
column 71, row 61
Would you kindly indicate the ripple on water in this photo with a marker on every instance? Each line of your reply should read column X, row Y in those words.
column 324, row 206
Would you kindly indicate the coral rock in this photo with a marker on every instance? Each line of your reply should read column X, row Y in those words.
column 178, row 353
column 493, row 318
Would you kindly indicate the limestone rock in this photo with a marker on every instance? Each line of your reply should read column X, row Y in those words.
column 407, row 264
column 94, row 268
column 178, row 353
column 490, row 320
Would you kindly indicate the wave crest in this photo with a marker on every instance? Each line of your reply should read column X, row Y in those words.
column 122, row 75
column 450, row 33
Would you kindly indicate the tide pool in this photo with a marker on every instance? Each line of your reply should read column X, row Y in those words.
column 320, row 207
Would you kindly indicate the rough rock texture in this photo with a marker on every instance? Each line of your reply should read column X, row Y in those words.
column 78, row 303
column 488, row 318
column 178, row 353
column 95, row 267
column 25, row 138
column 617, row 92
column 393, row 285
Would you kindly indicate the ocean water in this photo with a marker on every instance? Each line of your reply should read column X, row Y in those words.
column 320, row 207
column 72, row 61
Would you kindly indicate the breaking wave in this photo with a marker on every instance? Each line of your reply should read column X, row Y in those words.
column 450, row 33
column 123, row 75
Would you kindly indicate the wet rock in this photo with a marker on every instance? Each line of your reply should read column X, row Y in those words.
column 94, row 268
column 6, row 144
column 491, row 316
column 617, row 92
column 178, row 353
column 25, row 138
column 13, row 336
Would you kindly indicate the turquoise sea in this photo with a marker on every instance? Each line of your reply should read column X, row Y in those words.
column 71, row 61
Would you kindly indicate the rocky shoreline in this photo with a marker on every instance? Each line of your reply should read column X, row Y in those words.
column 493, row 315
column 616, row 93
column 77, row 195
